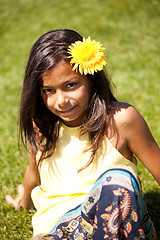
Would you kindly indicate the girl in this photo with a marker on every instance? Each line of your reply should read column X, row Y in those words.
column 82, row 169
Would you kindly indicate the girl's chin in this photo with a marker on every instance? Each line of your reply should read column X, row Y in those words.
column 72, row 122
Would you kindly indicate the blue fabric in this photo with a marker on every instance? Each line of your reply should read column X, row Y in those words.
column 114, row 209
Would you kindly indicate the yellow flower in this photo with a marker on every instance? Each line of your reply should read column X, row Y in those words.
column 87, row 56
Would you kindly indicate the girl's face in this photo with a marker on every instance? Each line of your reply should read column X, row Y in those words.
column 66, row 93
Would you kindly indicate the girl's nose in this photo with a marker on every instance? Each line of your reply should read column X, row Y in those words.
column 61, row 98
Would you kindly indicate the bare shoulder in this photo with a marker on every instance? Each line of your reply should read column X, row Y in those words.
column 130, row 124
column 125, row 114
column 135, row 135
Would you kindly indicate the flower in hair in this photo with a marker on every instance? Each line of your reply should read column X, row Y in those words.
column 87, row 56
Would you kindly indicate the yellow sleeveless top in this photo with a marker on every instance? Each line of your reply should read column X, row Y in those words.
column 62, row 188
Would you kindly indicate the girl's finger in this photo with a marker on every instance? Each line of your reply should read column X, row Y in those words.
column 11, row 201
column 20, row 190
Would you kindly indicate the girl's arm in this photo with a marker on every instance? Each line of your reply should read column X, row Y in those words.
column 140, row 140
column 24, row 191
column 30, row 181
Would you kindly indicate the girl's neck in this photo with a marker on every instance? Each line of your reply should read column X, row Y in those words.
column 69, row 125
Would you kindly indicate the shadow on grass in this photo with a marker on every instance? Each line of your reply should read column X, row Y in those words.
column 152, row 200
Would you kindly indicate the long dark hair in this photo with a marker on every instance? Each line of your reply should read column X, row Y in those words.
column 48, row 50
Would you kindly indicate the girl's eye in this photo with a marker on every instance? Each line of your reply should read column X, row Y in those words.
column 47, row 91
column 71, row 84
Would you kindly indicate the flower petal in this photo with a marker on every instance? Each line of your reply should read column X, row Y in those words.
column 87, row 55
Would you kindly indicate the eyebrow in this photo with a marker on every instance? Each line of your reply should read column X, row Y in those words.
column 43, row 86
column 65, row 82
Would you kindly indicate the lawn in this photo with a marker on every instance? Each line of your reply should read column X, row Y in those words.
column 129, row 31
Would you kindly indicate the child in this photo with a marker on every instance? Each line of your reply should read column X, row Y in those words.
column 82, row 169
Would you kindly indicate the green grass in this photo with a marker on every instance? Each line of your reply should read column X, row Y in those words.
column 128, row 29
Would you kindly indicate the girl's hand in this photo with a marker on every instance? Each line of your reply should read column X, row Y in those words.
column 15, row 202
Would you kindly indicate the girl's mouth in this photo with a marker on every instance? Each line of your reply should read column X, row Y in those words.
column 67, row 111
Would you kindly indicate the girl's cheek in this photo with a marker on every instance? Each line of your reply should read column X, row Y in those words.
column 49, row 101
column 44, row 97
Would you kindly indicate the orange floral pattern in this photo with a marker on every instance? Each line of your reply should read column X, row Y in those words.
column 112, row 210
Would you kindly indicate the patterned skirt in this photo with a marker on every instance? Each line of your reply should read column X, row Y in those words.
column 114, row 209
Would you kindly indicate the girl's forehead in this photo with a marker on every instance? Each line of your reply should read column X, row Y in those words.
column 61, row 68
column 61, row 72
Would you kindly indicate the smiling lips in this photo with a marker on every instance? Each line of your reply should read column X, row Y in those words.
column 68, row 111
